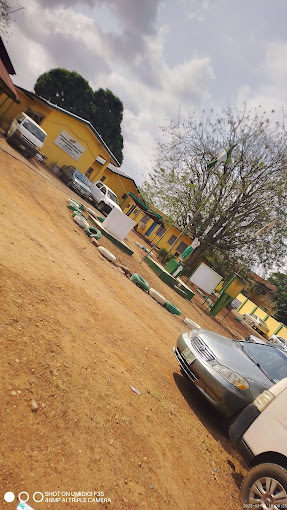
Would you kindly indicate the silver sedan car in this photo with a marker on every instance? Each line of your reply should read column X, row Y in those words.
column 229, row 373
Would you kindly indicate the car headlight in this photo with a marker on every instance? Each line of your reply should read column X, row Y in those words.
column 235, row 379
column 263, row 400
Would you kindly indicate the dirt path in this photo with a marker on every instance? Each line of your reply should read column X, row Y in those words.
column 75, row 335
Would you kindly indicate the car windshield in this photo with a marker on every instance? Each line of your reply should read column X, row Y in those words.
column 113, row 197
column 82, row 178
column 32, row 128
column 271, row 360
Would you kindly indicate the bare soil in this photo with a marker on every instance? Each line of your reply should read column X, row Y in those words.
column 76, row 334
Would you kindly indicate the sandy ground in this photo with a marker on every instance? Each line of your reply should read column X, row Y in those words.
column 76, row 334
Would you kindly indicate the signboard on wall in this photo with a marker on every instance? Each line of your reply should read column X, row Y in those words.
column 205, row 278
column 69, row 145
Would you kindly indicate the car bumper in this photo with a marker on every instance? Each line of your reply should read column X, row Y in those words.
column 23, row 143
column 238, row 429
column 221, row 394
column 79, row 190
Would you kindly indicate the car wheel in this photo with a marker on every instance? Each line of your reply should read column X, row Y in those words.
column 101, row 206
column 265, row 486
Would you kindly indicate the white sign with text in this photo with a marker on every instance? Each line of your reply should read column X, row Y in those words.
column 69, row 145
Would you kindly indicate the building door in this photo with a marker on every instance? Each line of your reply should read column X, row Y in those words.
column 151, row 228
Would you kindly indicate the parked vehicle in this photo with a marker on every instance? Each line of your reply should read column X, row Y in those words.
column 278, row 340
column 103, row 197
column 256, row 323
column 75, row 180
column 255, row 339
column 229, row 373
column 26, row 135
column 260, row 434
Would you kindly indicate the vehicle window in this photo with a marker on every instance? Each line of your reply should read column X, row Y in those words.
column 32, row 128
column 113, row 197
column 99, row 185
column 104, row 190
column 273, row 361
column 82, row 177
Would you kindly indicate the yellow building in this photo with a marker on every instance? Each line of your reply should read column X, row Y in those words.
column 70, row 140
column 73, row 141
column 152, row 226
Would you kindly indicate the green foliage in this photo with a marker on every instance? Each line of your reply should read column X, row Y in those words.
column 235, row 199
column 102, row 108
column 164, row 256
column 280, row 282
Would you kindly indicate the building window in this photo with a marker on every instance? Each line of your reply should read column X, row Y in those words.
column 36, row 116
column 181, row 247
column 103, row 178
column 160, row 231
column 171, row 240
column 88, row 172
column 145, row 219
column 124, row 196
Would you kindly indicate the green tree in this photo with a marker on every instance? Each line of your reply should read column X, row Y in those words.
column 247, row 191
column 102, row 108
column 107, row 117
column 280, row 298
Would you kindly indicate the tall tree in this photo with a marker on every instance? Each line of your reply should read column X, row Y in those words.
column 102, row 108
column 107, row 117
column 280, row 298
column 247, row 191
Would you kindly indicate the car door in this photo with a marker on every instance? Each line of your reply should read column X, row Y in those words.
column 96, row 191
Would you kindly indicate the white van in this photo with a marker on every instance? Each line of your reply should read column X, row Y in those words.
column 26, row 135
column 260, row 434
column 103, row 197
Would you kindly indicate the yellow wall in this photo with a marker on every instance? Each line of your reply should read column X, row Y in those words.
column 283, row 332
column 247, row 307
column 53, row 123
column 271, row 323
column 7, row 115
column 240, row 297
column 260, row 313
column 119, row 184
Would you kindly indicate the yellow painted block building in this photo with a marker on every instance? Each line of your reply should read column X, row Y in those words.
column 73, row 141
column 151, row 225
column 65, row 132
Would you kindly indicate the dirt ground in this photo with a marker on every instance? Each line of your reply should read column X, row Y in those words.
column 76, row 334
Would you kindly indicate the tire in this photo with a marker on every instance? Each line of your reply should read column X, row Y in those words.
column 101, row 206
column 157, row 296
column 81, row 221
column 140, row 281
column 191, row 324
column 107, row 254
column 93, row 232
column 172, row 308
column 269, row 480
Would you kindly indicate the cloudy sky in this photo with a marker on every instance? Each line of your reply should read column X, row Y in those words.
column 157, row 56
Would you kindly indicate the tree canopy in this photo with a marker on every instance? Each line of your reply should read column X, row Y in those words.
column 280, row 298
column 245, row 193
column 102, row 108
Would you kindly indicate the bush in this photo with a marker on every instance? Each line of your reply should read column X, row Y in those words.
column 164, row 256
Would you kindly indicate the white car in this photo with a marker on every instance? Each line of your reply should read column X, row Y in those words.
column 260, row 434
column 279, row 342
column 103, row 197
column 256, row 323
